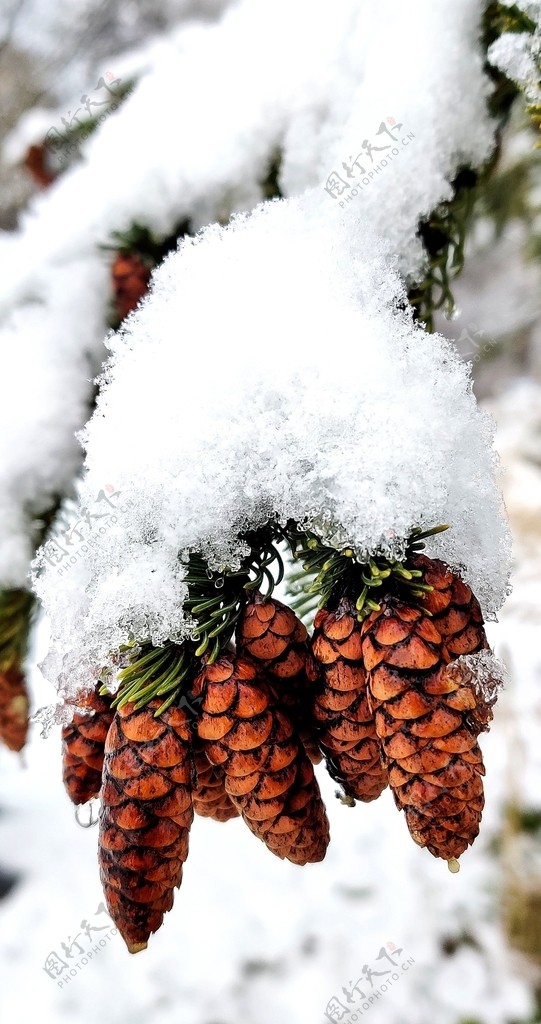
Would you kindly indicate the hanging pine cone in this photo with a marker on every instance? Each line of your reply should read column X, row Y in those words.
column 457, row 615
column 423, row 720
column 13, row 708
column 267, row 773
column 145, row 817
column 35, row 161
column 340, row 710
column 83, row 747
column 270, row 633
column 130, row 276
column 210, row 799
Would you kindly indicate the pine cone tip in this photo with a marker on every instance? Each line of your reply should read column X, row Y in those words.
column 136, row 947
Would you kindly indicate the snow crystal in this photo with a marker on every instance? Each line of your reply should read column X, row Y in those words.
column 486, row 674
column 272, row 372
column 51, row 715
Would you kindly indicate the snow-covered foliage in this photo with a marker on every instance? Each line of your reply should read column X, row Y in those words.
column 271, row 373
column 51, row 350
column 316, row 96
column 67, row 41
column 518, row 54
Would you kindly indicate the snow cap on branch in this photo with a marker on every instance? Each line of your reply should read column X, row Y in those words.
column 316, row 96
column 274, row 370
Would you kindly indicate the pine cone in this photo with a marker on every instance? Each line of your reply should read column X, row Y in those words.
column 145, row 817
column 457, row 615
column 270, row 633
column 210, row 799
column 83, row 747
column 347, row 733
column 13, row 708
column 268, row 776
column 35, row 161
column 423, row 720
column 130, row 282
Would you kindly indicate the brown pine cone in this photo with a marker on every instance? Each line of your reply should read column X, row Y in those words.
column 83, row 747
column 270, row 633
column 145, row 817
column 210, row 799
column 347, row 731
column 35, row 161
column 268, row 776
column 423, row 720
column 13, row 708
column 457, row 615
column 130, row 282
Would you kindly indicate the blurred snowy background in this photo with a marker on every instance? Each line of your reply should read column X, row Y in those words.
column 253, row 940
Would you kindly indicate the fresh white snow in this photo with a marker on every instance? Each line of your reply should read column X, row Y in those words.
column 181, row 147
column 223, row 407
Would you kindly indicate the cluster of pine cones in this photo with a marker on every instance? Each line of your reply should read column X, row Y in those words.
column 373, row 697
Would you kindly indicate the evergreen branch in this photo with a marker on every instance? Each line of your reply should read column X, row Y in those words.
column 443, row 235
column 332, row 573
column 17, row 608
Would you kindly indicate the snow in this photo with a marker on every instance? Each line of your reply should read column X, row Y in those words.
column 46, row 399
column 517, row 54
column 252, row 940
column 341, row 76
column 485, row 673
column 66, row 43
column 346, row 417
